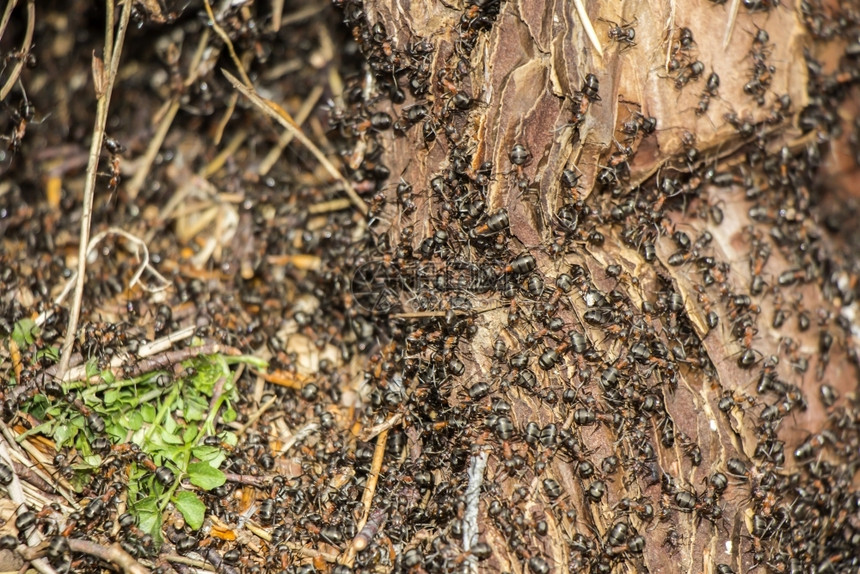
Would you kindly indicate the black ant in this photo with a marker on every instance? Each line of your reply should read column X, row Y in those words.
column 20, row 117
column 623, row 33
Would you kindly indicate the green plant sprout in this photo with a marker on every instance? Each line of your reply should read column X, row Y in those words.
column 166, row 418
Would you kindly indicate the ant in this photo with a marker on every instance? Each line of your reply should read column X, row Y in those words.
column 116, row 149
column 20, row 117
column 692, row 71
column 638, row 123
column 712, row 86
column 679, row 55
column 623, row 33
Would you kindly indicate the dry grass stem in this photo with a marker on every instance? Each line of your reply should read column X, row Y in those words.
column 228, row 113
column 113, row 52
column 373, row 475
column 589, row 29
column 25, row 48
column 226, row 39
column 7, row 14
column 329, row 206
column 277, row 14
column 218, row 161
column 43, row 468
column 307, row 107
column 16, row 494
column 113, row 554
column 282, row 117
column 733, row 15
column 255, row 416
column 299, row 435
column 136, row 183
column 374, row 431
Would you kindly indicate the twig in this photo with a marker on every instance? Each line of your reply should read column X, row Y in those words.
column 246, row 479
column 277, row 14
column 185, row 561
column 373, row 475
column 223, row 35
column 282, row 117
column 308, row 11
column 362, row 539
column 365, row 536
column 472, row 498
column 301, row 434
column 164, row 360
column 25, row 49
column 7, row 13
column 113, row 51
column 136, row 182
column 113, row 554
column 165, row 342
column 297, row 548
column 733, row 14
column 669, row 25
column 78, row 371
column 374, row 431
column 28, row 475
column 144, row 266
column 427, row 314
column 222, row 125
column 303, row 261
column 63, row 487
column 589, row 29
column 304, row 112
column 229, row 150
column 16, row 494
column 254, row 417
column 150, row 364
column 328, row 206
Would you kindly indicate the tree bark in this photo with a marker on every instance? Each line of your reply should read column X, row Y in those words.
column 682, row 340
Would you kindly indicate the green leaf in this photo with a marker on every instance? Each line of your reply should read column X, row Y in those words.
column 137, row 437
column 191, row 508
column 206, row 453
column 195, row 408
column 211, row 454
column 189, row 435
column 23, row 333
column 94, row 460
column 134, row 420
column 148, row 504
column 111, row 396
column 46, row 428
column 171, row 453
column 229, row 415
column 170, row 438
column 92, row 368
column 64, row 433
column 205, row 476
column 169, row 425
column 147, row 412
column 150, row 522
